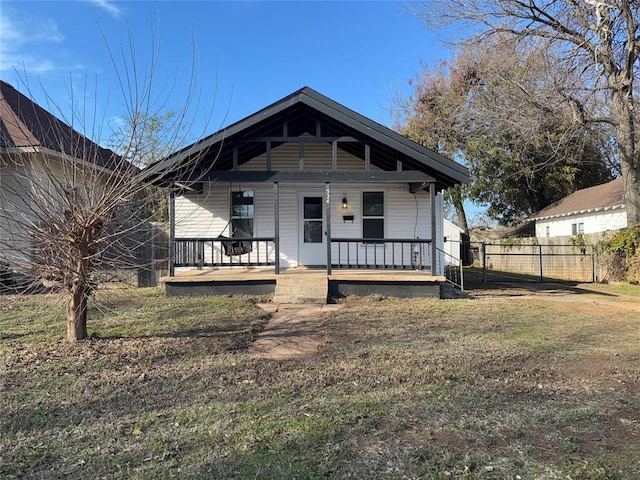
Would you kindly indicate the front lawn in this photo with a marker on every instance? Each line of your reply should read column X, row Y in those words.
column 490, row 388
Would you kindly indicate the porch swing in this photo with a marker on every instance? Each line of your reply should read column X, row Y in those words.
column 235, row 246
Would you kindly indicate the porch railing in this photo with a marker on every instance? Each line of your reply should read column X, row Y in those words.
column 392, row 254
column 451, row 267
column 217, row 252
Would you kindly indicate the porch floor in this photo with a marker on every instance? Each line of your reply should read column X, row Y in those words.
column 235, row 274
column 304, row 284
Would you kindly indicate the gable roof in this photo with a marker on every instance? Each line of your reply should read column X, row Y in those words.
column 605, row 196
column 25, row 124
column 301, row 110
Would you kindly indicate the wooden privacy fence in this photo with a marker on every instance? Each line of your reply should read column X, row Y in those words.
column 538, row 263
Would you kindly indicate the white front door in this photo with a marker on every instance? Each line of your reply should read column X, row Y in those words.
column 312, row 241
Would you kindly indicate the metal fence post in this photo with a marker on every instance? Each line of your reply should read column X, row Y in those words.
column 484, row 262
column 540, row 257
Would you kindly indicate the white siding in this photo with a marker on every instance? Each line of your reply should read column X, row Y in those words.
column 602, row 221
column 289, row 225
column 205, row 214
column 453, row 234
column 407, row 216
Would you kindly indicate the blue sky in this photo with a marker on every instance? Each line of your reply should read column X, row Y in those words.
column 250, row 54
column 247, row 54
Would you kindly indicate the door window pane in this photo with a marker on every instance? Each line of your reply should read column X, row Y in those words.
column 312, row 207
column 313, row 231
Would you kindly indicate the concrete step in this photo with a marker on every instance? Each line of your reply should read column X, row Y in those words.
column 300, row 300
column 301, row 288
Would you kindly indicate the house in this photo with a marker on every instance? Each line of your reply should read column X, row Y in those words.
column 306, row 185
column 591, row 210
column 452, row 242
column 42, row 159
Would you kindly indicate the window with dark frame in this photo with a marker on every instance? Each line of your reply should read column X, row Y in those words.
column 242, row 214
column 577, row 228
column 373, row 215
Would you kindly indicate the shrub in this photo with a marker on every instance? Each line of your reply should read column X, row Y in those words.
column 620, row 255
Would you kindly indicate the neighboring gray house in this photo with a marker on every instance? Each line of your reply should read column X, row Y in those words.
column 40, row 156
column 590, row 210
column 304, row 182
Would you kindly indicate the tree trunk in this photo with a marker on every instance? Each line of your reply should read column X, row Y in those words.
column 466, row 255
column 462, row 216
column 625, row 132
column 631, row 175
column 457, row 198
column 77, row 315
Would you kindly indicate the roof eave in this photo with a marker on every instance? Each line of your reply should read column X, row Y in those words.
column 579, row 212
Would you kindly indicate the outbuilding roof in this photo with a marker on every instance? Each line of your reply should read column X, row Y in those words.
column 25, row 124
column 302, row 111
column 605, row 196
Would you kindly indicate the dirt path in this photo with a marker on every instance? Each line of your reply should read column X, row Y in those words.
column 293, row 332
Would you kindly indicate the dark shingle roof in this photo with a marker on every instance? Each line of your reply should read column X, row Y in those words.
column 24, row 123
column 606, row 195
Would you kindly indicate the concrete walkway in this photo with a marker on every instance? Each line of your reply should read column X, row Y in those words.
column 294, row 331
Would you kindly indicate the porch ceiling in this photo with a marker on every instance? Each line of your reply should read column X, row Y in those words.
column 300, row 121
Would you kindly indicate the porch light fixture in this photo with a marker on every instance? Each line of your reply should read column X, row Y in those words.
column 345, row 204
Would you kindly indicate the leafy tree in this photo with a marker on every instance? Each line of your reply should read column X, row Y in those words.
column 509, row 179
column 596, row 47
column 150, row 140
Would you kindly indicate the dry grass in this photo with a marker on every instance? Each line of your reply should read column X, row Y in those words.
column 494, row 388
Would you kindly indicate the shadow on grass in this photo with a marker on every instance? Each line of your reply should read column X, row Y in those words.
column 13, row 336
column 231, row 337
column 513, row 284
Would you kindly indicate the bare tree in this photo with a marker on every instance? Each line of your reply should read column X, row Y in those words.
column 597, row 43
column 483, row 107
column 70, row 213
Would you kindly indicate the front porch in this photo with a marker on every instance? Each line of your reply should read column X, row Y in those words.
column 341, row 253
column 302, row 284
column 306, row 182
